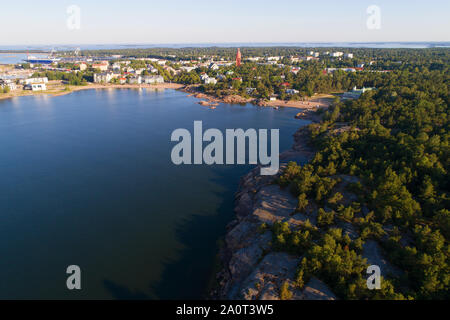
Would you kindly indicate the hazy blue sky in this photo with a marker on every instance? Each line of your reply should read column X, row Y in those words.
column 200, row 21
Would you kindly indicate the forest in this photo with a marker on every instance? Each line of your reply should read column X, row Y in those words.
column 396, row 143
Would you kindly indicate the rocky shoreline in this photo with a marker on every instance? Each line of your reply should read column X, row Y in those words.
column 251, row 268
column 251, row 271
column 210, row 100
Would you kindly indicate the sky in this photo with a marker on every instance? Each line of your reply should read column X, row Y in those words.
column 43, row 22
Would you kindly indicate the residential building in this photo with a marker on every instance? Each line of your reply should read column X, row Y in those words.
column 135, row 80
column 210, row 81
column 102, row 66
column 152, row 79
column 355, row 93
column 213, row 66
column 295, row 70
column 291, row 91
column 8, row 83
column 83, row 66
column 139, row 71
column 35, row 80
column 187, row 69
column 35, row 86
column 104, row 77
column 337, row 54
column 116, row 66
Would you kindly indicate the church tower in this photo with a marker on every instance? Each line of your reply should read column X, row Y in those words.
column 238, row 58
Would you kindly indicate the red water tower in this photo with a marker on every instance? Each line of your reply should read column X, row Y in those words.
column 238, row 58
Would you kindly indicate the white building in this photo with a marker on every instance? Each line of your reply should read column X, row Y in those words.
column 122, row 80
column 213, row 66
column 102, row 66
column 35, row 87
column 104, row 77
column 83, row 66
column 187, row 69
column 152, row 79
column 355, row 93
column 292, row 91
column 116, row 66
column 295, row 70
column 337, row 54
column 135, row 80
column 35, row 80
column 8, row 83
column 210, row 81
column 349, row 55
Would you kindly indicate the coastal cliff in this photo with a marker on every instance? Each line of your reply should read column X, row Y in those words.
column 252, row 269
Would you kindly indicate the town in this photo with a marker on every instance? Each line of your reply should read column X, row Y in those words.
column 273, row 80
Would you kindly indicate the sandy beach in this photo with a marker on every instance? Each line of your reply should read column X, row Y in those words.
column 56, row 88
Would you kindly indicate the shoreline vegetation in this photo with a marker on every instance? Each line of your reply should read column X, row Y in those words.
column 315, row 102
column 57, row 88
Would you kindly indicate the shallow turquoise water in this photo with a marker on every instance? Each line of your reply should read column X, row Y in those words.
column 86, row 179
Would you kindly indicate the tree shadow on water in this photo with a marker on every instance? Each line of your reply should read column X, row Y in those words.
column 189, row 276
column 122, row 292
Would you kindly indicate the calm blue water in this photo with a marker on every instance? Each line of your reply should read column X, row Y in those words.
column 13, row 58
column 86, row 179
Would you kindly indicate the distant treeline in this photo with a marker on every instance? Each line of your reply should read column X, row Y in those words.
column 230, row 52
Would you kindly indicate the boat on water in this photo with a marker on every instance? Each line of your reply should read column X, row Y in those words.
column 41, row 60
